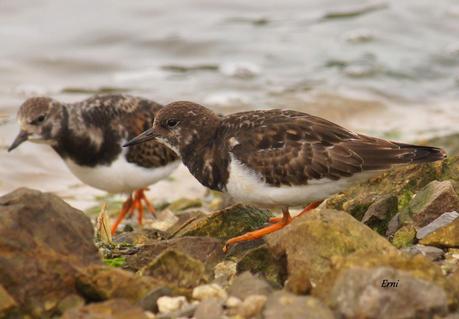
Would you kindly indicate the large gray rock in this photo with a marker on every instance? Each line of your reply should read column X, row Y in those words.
column 443, row 220
column 43, row 242
column 283, row 304
column 360, row 293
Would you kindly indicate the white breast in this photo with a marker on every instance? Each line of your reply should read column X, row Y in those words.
column 245, row 186
column 121, row 176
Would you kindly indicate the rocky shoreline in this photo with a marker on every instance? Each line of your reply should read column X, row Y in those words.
column 386, row 248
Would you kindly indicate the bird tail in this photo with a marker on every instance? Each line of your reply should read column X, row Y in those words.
column 421, row 154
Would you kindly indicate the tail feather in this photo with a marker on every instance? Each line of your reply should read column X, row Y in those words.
column 421, row 154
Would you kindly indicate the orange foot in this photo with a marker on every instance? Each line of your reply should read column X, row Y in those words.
column 308, row 208
column 132, row 203
column 284, row 221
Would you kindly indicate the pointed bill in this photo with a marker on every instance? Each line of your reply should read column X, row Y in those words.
column 145, row 136
column 21, row 138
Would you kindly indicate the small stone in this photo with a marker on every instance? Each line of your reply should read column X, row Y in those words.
column 404, row 237
column 7, row 303
column 225, row 271
column 247, row 284
column 443, row 220
column 209, row 309
column 282, row 304
column 393, row 226
column 447, row 236
column 183, row 204
column 232, row 302
column 164, row 220
column 150, row 301
column 204, row 292
column 380, row 212
column 168, row 304
column 70, row 302
column 252, row 306
column 113, row 309
column 433, row 253
column 430, row 202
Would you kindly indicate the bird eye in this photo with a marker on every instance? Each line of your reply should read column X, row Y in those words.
column 38, row 119
column 171, row 123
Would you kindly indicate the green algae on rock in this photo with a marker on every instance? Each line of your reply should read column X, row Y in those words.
column 380, row 212
column 226, row 223
column 447, row 236
column 404, row 237
column 312, row 241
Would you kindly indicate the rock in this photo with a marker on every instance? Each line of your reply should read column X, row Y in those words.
column 164, row 220
column 205, row 249
column 226, row 223
column 306, row 242
column 251, row 306
column 140, row 237
column 43, row 242
column 360, row 293
column 260, row 260
column 7, row 303
column 402, row 181
column 183, row 219
column 183, row 204
column 247, row 284
column 443, row 220
column 447, row 236
column 209, row 291
column 150, row 301
column 393, row 226
column 111, row 309
column 98, row 283
column 70, row 302
column 209, row 309
column 225, row 271
column 404, row 237
column 282, row 304
column 232, row 302
column 168, row 304
column 430, row 202
column 380, row 212
column 177, row 270
column 433, row 253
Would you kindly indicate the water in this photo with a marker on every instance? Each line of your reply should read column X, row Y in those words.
column 388, row 68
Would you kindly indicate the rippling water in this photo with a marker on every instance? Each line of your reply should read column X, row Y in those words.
column 379, row 67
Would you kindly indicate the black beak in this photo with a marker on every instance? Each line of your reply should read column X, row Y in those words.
column 21, row 138
column 145, row 136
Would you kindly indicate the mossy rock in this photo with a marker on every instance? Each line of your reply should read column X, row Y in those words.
column 260, row 260
column 379, row 213
column 226, row 223
column 402, row 181
column 404, row 237
column 447, row 236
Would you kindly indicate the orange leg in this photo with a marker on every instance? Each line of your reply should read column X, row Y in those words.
column 140, row 193
column 308, row 208
column 127, row 207
column 286, row 219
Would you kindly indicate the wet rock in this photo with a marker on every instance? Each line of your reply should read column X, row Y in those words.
column 443, row 220
column 140, row 237
column 361, row 293
column 112, row 309
column 430, row 202
column 168, row 304
column 7, row 303
column 251, row 306
column 306, row 242
column 282, row 304
column 401, row 181
column 380, row 212
column 210, row 291
column 177, row 270
column 446, row 236
column 209, row 309
column 205, row 249
column 150, row 301
column 226, row 223
column 260, row 260
column 98, row 283
column 404, row 237
column 42, row 243
column 247, row 284
column 433, row 253
column 183, row 204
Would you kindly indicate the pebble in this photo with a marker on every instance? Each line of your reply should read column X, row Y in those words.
column 225, row 270
column 433, row 253
column 204, row 292
column 169, row 304
column 251, row 306
column 232, row 302
column 443, row 220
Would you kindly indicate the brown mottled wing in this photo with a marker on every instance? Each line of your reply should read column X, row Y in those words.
column 292, row 148
column 129, row 116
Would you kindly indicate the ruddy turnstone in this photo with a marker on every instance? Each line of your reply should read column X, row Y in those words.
column 275, row 158
column 88, row 136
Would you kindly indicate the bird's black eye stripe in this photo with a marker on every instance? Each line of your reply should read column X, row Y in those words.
column 171, row 123
column 38, row 119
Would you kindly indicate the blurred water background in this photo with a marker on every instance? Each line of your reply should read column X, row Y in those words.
column 388, row 68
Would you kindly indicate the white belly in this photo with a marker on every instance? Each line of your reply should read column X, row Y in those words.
column 121, row 176
column 245, row 186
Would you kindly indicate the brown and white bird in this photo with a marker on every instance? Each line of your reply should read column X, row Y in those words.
column 275, row 158
column 88, row 136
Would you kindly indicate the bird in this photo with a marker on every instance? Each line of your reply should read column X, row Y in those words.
column 88, row 136
column 275, row 158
